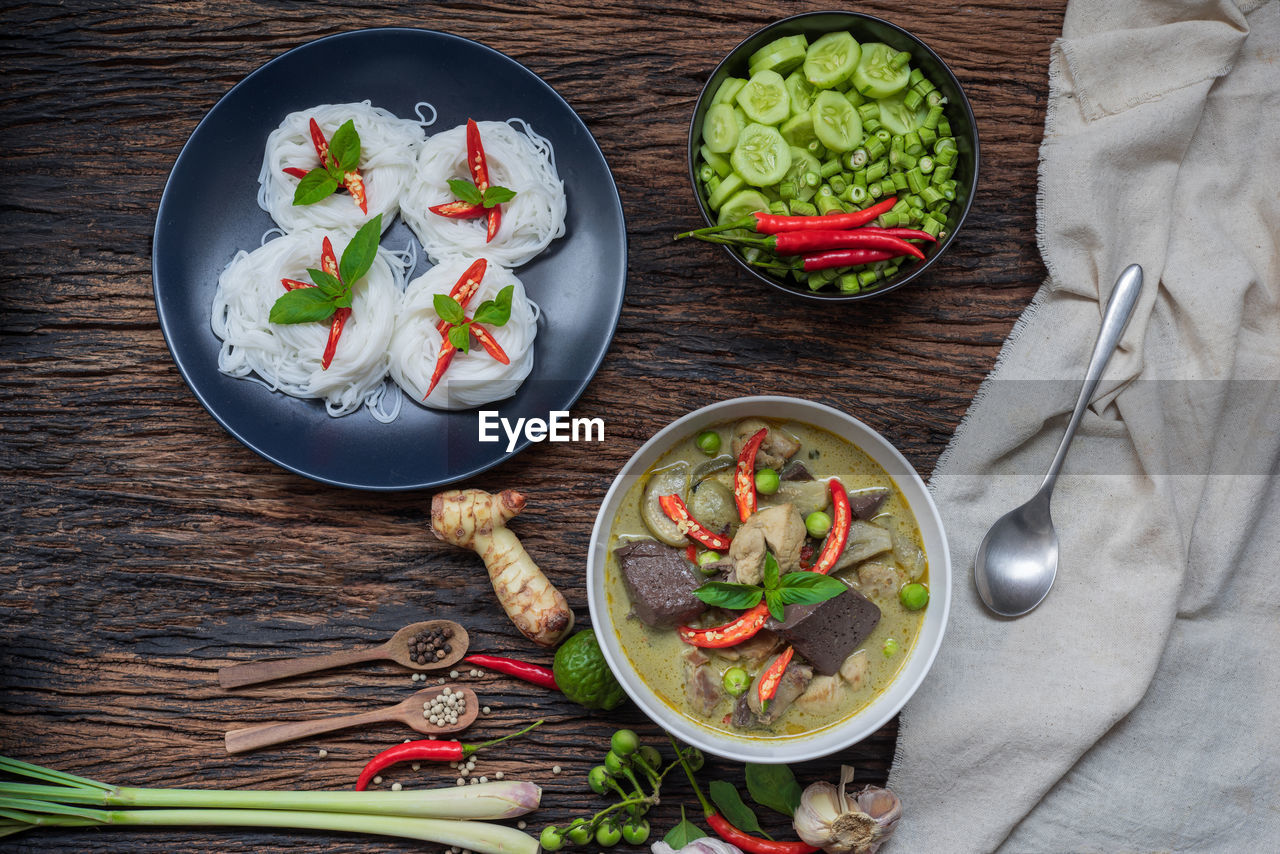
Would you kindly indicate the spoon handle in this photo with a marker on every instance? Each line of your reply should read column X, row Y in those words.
column 1124, row 296
column 253, row 672
column 265, row 735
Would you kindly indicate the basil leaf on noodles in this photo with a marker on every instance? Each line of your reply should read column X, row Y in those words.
column 304, row 305
column 465, row 191
column 496, row 196
column 460, row 337
column 344, row 148
column 358, row 257
column 327, row 283
column 447, row 308
column 315, row 185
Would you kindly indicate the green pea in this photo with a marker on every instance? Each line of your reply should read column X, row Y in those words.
column 551, row 839
column 598, row 779
column 708, row 442
column 736, row 681
column 705, row 559
column 625, row 742
column 636, row 832
column 913, row 596
column 608, row 834
column 767, row 481
column 890, row 647
column 817, row 524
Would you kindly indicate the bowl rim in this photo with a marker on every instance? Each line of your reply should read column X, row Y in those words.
column 834, row 737
column 818, row 296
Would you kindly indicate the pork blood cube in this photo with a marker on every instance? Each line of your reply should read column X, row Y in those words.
column 826, row 634
column 661, row 583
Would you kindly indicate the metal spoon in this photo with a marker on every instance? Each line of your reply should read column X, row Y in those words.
column 1018, row 558
column 395, row 649
column 409, row 711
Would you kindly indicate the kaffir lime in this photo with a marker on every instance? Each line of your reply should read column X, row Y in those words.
column 583, row 675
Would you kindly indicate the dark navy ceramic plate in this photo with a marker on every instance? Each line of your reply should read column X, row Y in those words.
column 209, row 211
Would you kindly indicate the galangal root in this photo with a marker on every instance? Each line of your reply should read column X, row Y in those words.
column 477, row 520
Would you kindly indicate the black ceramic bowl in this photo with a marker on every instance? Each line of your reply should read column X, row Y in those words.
column 864, row 28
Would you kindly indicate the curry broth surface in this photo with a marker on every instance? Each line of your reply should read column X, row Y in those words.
column 656, row 652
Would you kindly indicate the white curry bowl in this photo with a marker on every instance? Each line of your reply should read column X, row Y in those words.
column 843, row 733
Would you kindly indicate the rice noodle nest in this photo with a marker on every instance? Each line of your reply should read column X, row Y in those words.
column 287, row 357
column 473, row 378
column 519, row 160
column 388, row 152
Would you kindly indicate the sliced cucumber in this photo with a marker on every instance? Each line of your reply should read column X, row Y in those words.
column 798, row 130
column 761, row 156
column 731, row 184
column 718, row 162
column 764, row 99
column 836, row 122
column 800, row 93
column 728, row 90
column 780, row 55
column 831, row 59
column 802, row 163
column 876, row 75
column 897, row 117
column 741, row 206
column 720, row 128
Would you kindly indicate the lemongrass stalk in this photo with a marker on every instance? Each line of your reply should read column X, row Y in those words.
column 480, row 837
column 496, row 800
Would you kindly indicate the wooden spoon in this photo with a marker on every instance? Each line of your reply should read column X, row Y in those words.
column 409, row 712
column 396, row 649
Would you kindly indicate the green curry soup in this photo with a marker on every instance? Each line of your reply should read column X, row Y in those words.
column 883, row 553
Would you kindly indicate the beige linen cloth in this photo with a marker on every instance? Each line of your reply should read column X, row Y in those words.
column 1138, row 708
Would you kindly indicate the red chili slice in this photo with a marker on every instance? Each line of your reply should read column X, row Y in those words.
column 677, row 511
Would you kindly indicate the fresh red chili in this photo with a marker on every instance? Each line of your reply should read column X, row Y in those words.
column 744, row 477
column 329, row 259
column 767, row 684
column 459, row 210
column 443, row 358
column 321, row 144
column 294, row 284
column 425, row 750
column 732, row 633
column 691, row 553
column 489, row 343
column 802, row 242
column 677, row 511
column 754, row 844
column 294, row 171
column 904, row 233
column 480, row 175
column 534, row 673
column 838, row 536
column 845, row 258
column 355, row 186
column 767, row 223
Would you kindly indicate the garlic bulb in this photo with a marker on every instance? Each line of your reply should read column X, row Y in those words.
column 840, row 823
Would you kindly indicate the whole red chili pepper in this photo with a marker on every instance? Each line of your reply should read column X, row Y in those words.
column 428, row 751
column 845, row 258
column 767, row 223
column 459, row 210
column 479, row 167
column 802, row 242
column 744, row 477
column 753, row 844
column 904, row 233
column 534, row 673
column 726, row 831
column 678, row 512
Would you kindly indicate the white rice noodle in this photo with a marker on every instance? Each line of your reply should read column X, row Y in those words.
column 473, row 378
column 286, row 357
column 518, row 160
column 388, row 151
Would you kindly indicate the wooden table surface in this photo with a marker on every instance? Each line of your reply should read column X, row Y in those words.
column 144, row 548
